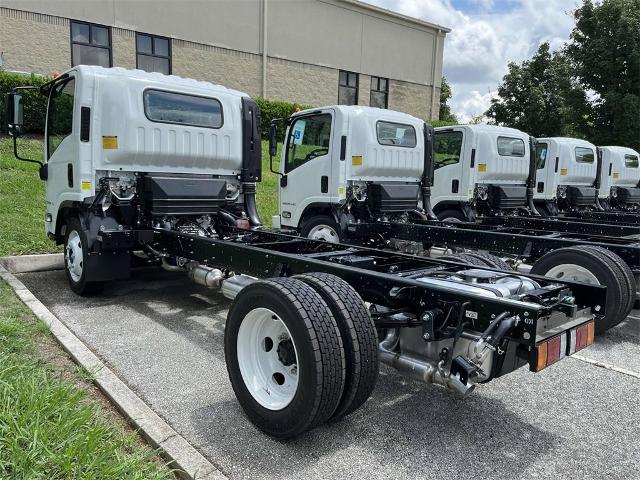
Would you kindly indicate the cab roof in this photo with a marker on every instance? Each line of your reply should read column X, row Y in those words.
column 357, row 110
column 491, row 129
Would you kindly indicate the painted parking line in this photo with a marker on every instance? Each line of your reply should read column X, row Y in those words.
column 608, row 366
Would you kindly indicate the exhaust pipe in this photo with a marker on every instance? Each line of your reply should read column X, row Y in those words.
column 427, row 171
column 205, row 276
column 249, row 190
column 423, row 371
column 531, row 178
column 232, row 285
column 597, row 183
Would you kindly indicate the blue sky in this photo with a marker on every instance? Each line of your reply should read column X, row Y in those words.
column 486, row 35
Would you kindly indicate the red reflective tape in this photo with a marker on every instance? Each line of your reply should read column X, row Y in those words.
column 581, row 337
column 553, row 349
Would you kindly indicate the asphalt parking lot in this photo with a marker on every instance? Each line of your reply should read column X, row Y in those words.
column 164, row 337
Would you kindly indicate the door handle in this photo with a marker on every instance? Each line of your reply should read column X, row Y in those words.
column 324, row 184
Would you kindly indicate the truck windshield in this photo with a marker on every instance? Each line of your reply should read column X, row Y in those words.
column 309, row 137
column 541, row 154
column 584, row 155
column 631, row 161
column 447, row 146
column 510, row 147
column 60, row 115
column 398, row 134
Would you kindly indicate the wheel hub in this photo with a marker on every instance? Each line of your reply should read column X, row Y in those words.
column 73, row 254
column 574, row 273
column 286, row 352
column 324, row 233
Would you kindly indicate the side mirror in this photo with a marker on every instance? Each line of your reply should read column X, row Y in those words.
column 15, row 114
column 273, row 140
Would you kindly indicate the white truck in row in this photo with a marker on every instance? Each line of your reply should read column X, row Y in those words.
column 146, row 164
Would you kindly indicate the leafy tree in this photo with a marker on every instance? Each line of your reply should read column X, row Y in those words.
column 605, row 48
column 446, row 115
column 541, row 96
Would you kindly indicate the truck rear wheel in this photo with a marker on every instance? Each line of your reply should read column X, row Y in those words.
column 359, row 338
column 75, row 259
column 592, row 267
column 284, row 356
column 452, row 215
column 490, row 260
column 321, row 227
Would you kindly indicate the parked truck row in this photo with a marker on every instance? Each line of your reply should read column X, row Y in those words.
column 143, row 165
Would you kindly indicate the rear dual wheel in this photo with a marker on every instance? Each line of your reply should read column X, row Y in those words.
column 299, row 352
column 595, row 266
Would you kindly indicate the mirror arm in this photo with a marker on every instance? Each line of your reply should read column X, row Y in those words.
column 15, row 153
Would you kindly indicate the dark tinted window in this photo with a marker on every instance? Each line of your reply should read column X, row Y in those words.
column 631, row 161
column 448, row 148
column 90, row 44
column 153, row 54
column 309, row 137
column 347, row 88
column 584, row 155
column 399, row 134
column 379, row 92
column 541, row 154
column 60, row 117
column 510, row 147
column 169, row 107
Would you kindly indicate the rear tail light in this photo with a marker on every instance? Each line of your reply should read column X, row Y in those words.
column 555, row 348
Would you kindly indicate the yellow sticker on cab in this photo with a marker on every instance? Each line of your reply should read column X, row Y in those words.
column 86, row 185
column 482, row 167
column 616, row 175
column 356, row 160
column 564, row 171
column 109, row 142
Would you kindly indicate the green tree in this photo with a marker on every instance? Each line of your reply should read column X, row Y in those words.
column 605, row 49
column 446, row 115
column 541, row 96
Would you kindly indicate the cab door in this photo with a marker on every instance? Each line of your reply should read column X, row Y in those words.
column 448, row 181
column 306, row 166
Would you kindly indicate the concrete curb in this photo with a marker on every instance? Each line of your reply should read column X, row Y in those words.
column 190, row 463
column 33, row 263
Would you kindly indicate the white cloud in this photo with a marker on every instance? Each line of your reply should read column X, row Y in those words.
column 480, row 46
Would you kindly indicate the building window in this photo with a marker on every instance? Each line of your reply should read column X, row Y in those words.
column 90, row 44
column 379, row 92
column 153, row 54
column 347, row 88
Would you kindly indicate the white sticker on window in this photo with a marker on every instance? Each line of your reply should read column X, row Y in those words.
column 298, row 132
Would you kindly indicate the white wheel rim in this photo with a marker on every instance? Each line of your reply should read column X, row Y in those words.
column 73, row 256
column 324, row 233
column 572, row 272
column 452, row 220
column 264, row 358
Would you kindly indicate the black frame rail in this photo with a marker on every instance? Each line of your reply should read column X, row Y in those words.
column 374, row 273
column 564, row 225
column 629, row 218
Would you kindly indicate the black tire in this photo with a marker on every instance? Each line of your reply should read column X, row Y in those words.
column 626, row 272
column 453, row 215
column 359, row 338
column 491, row 261
column 466, row 258
column 79, row 285
column 310, row 222
column 606, row 274
column 321, row 366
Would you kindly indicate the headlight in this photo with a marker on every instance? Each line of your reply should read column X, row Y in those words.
column 482, row 192
column 614, row 192
column 562, row 191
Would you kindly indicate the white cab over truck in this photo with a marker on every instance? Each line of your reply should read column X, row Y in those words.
column 566, row 175
column 163, row 168
column 479, row 170
column 620, row 178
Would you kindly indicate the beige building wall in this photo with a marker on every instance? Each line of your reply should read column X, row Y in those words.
column 301, row 83
column 364, row 89
column 233, row 69
column 123, row 48
column 34, row 43
column 410, row 98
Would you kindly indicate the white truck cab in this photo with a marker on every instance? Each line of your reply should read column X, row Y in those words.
column 620, row 178
column 341, row 162
column 565, row 176
column 479, row 169
column 126, row 149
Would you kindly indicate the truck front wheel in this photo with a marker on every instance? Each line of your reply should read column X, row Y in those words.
column 75, row 260
column 321, row 227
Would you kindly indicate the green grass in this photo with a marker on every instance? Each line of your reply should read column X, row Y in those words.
column 22, row 204
column 50, row 428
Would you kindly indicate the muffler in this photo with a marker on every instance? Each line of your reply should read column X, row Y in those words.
column 206, row 276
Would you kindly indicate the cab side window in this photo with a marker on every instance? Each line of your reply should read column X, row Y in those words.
column 60, row 115
column 584, row 155
column 309, row 137
column 448, row 147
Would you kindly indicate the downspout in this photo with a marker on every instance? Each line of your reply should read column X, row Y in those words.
column 427, row 171
column 264, row 48
column 433, row 74
column 531, row 178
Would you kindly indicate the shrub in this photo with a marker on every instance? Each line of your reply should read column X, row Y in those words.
column 272, row 109
column 35, row 105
